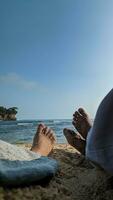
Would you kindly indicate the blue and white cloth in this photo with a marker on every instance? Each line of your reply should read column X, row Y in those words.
column 19, row 166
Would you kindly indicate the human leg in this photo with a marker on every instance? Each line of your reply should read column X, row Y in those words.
column 99, row 144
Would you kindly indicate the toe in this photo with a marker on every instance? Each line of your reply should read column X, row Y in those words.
column 53, row 138
column 69, row 134
column 73, row 122
column 51, row 135
column 40, row 128
column 68, row 131
column 45, row 130
column 76, row 114
column 82, row 112
column 78, row 118
column 76, row 124
column 65, row 131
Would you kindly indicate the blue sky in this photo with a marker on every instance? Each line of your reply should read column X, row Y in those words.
column 55, row 55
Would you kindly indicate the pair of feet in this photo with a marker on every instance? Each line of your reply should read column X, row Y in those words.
column 44, row 138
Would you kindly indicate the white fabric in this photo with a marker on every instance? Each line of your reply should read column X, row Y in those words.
column 13, row 152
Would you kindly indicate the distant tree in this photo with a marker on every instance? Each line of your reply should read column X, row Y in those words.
column 8, row 114
column 3, row 111
column 12, row 110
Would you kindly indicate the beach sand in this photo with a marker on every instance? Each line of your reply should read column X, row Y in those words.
column 77, row 179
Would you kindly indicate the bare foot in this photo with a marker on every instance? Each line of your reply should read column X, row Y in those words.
column 82, row 122
column 43, row 141
column 75, row 140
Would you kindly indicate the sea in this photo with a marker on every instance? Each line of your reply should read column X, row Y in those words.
column 22, row 131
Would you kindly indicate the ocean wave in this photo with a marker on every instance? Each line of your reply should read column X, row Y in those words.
column 25, row 124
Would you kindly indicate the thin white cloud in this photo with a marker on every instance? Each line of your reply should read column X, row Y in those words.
column 18, row 81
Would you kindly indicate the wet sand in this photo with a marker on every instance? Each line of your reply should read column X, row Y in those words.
column 77, row 179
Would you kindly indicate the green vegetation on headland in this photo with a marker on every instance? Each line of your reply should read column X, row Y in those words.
column 8, row 113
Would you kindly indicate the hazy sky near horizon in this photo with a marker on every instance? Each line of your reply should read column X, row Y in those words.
column 55, row 55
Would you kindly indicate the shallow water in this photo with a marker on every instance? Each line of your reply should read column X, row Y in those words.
column 22, row 131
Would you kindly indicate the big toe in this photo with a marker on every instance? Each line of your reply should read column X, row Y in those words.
column 40, row 127
column 83, row 112
column 71, row 134
column 68, row 131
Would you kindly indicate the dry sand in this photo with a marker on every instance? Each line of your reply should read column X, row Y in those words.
column 76, row 180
